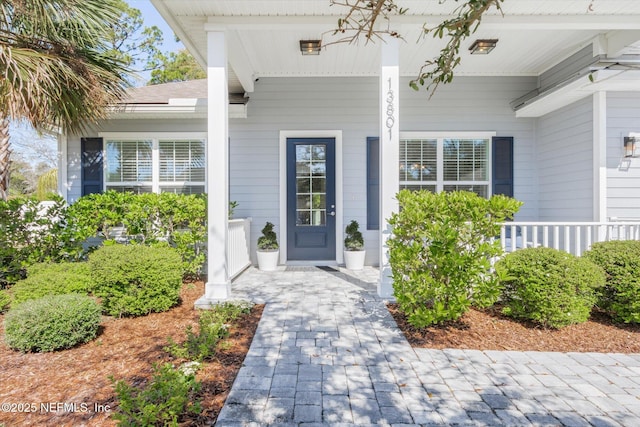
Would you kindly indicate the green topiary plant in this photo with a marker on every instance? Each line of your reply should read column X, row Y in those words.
column 268, row 241
column 621, row 262
column 440, row 251
column 354, row 240
column 52, row 279
column 550, row 287
column 135, row 280
column 53, row 322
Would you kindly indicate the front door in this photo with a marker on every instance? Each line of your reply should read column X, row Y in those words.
column 311, row 199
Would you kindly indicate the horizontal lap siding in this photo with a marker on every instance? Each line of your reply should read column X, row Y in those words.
column 481, row 104
column 623, row 174
column 565, row 161
column 348, row 105
column 351, row 105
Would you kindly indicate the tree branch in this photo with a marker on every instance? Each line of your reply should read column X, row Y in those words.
column 362, row 20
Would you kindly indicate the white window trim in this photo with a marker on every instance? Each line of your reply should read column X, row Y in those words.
column 439, row 183
column 155, row 138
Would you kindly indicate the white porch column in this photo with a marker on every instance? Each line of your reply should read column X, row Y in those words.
column 218, row 286
column 600, row 157
column 389, row 152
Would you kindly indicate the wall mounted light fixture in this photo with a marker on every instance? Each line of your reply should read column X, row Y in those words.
column 630, row 146
column 483, row 46
column 310, row 47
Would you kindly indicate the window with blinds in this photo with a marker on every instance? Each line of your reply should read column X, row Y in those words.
column 128, row 163
column 155, row 165
column 445, row 164
column 182, row 166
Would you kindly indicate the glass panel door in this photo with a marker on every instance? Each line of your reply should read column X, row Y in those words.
column 311, row 198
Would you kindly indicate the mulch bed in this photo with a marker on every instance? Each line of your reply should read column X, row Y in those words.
column 490, row 330
column 125, row 349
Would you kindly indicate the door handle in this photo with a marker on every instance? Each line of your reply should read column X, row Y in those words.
column 332, row 213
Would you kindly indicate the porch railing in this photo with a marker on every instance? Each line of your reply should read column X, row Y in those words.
column 238, row 246
column 572, row 237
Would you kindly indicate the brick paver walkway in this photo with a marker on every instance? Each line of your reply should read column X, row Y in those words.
column 327, row 352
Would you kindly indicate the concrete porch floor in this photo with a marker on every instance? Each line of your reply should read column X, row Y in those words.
column 327, row 353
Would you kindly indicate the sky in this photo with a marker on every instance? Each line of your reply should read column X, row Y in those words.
column 22, row 134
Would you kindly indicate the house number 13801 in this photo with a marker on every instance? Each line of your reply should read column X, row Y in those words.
column 390, row 110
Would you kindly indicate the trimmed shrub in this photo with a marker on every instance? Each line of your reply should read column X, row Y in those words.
column 52, row 279
column 170, row 393
column 550, row 287
column 135, row 280
column 53, row 322
column 621, row 262
column 440, row 252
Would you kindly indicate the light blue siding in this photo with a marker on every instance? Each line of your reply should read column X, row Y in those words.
column 565, row 163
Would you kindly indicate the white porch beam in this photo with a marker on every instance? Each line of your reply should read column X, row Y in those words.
column 240, row 62
column 218, row 286
column 619, row 41
column 389, row 152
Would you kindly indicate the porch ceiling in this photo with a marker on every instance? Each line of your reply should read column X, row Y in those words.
column 533, row 35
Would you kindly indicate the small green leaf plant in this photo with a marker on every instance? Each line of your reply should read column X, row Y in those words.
column 354, row 240
column 171, row 393
column 268, row 241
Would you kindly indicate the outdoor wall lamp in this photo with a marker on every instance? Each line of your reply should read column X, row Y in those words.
column 483, row 46
column 310, row 47
column 629, row 146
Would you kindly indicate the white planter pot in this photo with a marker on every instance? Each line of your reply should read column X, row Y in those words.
column 268, row 260
column 354, row 260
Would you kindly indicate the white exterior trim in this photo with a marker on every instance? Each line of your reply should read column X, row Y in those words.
column 63, row 166
column 284, row 135
column 600, row 156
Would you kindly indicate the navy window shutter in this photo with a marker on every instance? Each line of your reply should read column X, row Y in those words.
column 373, row 183
column 502, row 165
column 91, row 165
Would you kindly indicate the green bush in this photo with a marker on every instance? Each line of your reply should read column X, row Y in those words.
column 52, row 279
column 621, row 263
column 440, row 252
column 212, row 328
column 135, row 280
column 51, row 323
column 30, row 233
column 5, row 299
column 170, row 394
column 147, row 218
column 550, row 287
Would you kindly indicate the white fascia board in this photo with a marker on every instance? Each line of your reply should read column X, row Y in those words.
column 236, row 111
column 514, row 22
column 601, row 81
column 166, row 14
